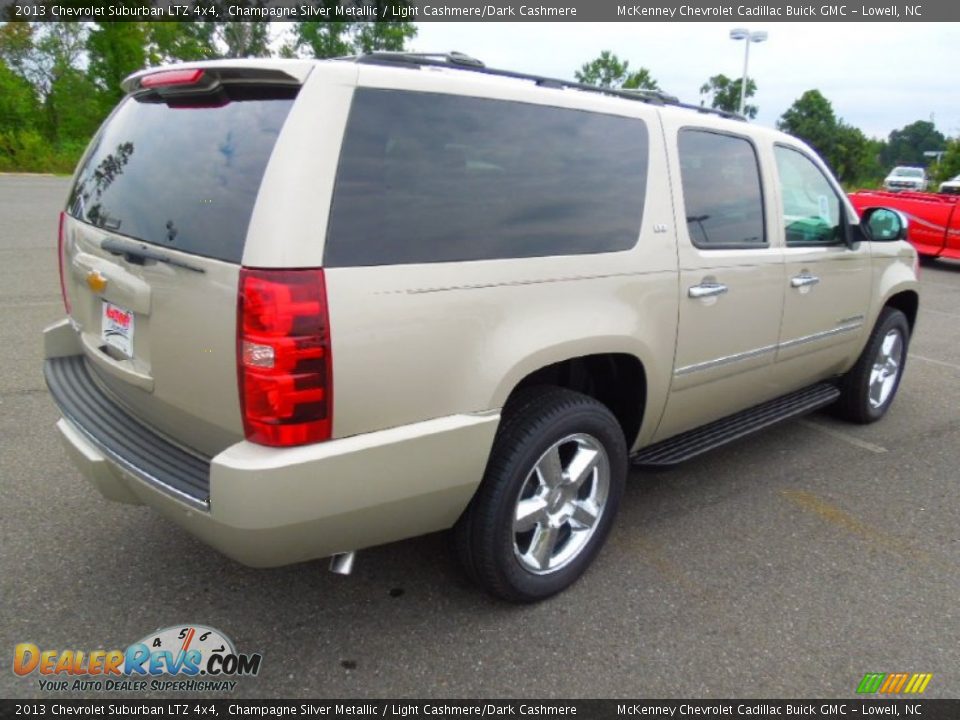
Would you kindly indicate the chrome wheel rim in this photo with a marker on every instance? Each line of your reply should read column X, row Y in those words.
column 886, row 369
column 560, row 504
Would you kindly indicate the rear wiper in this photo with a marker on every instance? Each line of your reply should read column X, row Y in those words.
column 137, row 255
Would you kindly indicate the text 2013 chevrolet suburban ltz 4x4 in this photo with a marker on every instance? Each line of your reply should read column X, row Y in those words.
column 318, row 306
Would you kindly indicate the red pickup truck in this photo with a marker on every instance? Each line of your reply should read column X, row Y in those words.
column 934, row 219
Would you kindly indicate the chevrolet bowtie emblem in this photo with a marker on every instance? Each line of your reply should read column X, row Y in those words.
column 96, row 281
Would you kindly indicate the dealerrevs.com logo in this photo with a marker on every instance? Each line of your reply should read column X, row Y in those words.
column 189, row 658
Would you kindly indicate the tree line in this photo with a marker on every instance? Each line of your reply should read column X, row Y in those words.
column 59, row 80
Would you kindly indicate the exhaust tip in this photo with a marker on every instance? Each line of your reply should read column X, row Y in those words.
column 342, row 563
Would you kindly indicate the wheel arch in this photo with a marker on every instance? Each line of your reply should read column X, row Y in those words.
column 907, row 302
column 618, row 380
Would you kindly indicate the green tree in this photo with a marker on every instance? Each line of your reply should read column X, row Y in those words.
column 852, row 157
column 169, row 42
column 19, row 109
column 811, row 118
column 42, row 52
column 19, row 105
column 389, row 35
column 58, row 80
column 724, row 94
column 48, row 106
column 609, row 71
column 336, row 38
column 48, row 56
column 949, row 165
column 244, row 39
column 321, row 39
column 16, row 47
column 201, row 40
column 843, row 147
column 115, row 50
column 907, row 145
column 874, row 169
column 77, row 107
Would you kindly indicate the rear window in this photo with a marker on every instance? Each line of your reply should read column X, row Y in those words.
column 427, row 177
column 183, row 177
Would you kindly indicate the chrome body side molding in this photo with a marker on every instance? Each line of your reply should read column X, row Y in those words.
column 848, row 325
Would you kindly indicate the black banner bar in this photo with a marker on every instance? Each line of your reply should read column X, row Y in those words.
column 935, row 709
column 486, row 10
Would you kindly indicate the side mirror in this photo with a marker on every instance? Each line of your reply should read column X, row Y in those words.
column 880, row 224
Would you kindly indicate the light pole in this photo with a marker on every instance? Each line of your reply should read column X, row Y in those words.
column 750, row 37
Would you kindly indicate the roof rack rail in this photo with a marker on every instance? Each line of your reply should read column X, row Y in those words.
column 462, row 61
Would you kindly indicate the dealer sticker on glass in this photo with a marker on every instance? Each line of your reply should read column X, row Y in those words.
column 117, row 328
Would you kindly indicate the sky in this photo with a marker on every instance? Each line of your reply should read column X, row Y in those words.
column 878, row 76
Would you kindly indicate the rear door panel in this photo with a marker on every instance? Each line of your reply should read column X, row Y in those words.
column 725, row 343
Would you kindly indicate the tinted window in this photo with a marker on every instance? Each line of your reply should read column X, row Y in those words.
column 180, row 177
column 811, row 208
column 426, row 177
column 721, row 190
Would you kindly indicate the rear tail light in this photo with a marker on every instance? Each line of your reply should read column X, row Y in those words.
column 62, row 261
column 283, row 356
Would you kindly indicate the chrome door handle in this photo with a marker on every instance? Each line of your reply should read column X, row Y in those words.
column 799, row 281
column 706, row 289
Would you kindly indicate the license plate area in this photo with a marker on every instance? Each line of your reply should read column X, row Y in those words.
column 117, row 328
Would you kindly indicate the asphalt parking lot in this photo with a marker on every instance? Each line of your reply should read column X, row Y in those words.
column 786, row 565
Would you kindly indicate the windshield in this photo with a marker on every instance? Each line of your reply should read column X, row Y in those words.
column 907, row 172
column 182, row 177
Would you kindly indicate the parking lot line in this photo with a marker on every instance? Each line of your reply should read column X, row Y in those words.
column 940, row 312
column 914, row 356
column 839, row 435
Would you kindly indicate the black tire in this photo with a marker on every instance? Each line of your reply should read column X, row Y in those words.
column 490, row 548
column 855, row 403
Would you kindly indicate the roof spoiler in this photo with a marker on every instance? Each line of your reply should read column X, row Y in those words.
column 204, row 77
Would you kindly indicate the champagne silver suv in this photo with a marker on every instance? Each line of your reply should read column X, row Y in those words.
column 318, row 306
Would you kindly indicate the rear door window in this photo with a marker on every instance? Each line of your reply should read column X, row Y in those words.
column 183, row 177
column 427, row 177
column 721, row 190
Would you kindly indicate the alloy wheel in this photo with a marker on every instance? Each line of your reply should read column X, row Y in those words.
column 560, row 504
column 886, row 369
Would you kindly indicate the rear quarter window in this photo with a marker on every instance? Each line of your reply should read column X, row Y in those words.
column 183, row 177
column 426, row 177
